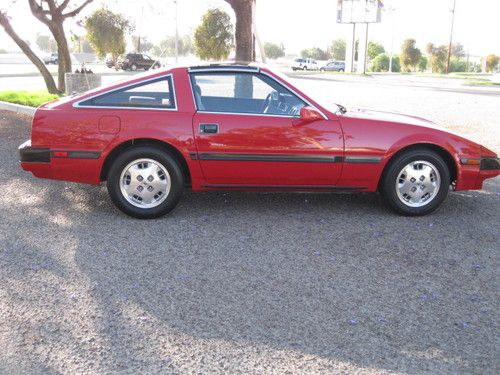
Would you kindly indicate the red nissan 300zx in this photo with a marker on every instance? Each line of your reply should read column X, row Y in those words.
column 243, row 127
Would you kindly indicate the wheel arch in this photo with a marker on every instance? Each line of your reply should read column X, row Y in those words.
column 122, row 147
column 441, row 151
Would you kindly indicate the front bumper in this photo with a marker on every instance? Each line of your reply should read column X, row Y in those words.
column 489, row 164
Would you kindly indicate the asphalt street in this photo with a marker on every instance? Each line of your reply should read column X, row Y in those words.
column 252, row 283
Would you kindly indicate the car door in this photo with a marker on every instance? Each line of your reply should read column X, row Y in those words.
column 247, row 133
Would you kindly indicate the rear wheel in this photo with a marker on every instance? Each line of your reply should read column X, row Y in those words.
column 416, row 183
column 145, row 182
column 133, row 67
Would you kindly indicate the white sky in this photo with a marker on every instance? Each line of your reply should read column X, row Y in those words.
column 302, row 24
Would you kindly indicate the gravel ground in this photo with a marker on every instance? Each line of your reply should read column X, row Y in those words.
column 244, row 283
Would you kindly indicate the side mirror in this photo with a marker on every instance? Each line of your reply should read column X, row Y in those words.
column 309, row 114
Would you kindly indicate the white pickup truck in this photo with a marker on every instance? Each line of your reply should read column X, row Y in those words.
column 304, row 64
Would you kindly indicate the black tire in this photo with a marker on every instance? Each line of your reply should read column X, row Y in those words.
column 158, row 155
column 341, row 70
column 388, row 186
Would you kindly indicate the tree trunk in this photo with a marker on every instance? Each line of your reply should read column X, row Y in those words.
column 244, row 44
column 49, row 80
column 244, row 32
column 64, row 58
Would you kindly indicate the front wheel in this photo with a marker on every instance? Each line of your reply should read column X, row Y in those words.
column 145, row 182
column 416, row 183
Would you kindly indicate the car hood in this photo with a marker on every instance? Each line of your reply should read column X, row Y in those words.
column 369, row 114
column 400, row 118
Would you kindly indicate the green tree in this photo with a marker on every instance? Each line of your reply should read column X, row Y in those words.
column 438, row 57
column 314, row 53
column 492, row 62
column 457, row 64
column 374, row 49
column 141, row 44
column 422, row 64
column 337, row 49
column 167, row 46
column 213, row 38
column 410, row 55
column 273, row 50
column 396, row 64
column 380, row 63
column 80, row 44
column 106, row 32
column 46, row 43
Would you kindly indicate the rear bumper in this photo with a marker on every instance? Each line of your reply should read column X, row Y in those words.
column 33, row 155
column 68, row 165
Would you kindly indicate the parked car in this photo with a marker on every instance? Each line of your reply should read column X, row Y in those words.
column 304, row 64
column 333, row 66
column 53, row 58
column 134, row 61
column 109, row 61
column 199, row 127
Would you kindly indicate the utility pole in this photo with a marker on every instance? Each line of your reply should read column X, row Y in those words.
column 451, row 36
column 391, row 10
column 176, row 35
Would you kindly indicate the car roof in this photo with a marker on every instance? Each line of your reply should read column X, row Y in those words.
column 236, row 66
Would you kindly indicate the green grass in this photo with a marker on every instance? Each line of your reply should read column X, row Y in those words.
column 29, row 98
column 478, row 82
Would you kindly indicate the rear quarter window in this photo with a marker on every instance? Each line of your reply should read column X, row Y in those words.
column 156, row 93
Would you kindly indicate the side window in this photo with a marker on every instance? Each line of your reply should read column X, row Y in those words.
column 151, row 94
column 235, row 92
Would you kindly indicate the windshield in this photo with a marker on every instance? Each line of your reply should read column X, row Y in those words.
column 315, row 89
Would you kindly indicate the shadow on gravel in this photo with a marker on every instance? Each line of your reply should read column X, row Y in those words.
column 286, row 277
column 335, row 276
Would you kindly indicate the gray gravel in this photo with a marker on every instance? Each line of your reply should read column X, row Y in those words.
column 242, row 282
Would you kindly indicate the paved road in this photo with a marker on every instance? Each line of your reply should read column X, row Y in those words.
column 242, row 282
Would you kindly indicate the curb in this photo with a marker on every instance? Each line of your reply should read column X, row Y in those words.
column 17, row 108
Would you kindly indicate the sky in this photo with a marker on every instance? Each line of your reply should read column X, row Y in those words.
column 300, row 24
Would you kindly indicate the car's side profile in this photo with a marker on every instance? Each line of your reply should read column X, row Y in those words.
column 243, row 127
column 134, row 61
column 53, row 58
column 333, row 66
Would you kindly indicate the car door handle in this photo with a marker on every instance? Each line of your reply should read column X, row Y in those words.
column 209, row 128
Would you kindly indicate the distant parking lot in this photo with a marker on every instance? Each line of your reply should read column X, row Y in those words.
column 254, row 283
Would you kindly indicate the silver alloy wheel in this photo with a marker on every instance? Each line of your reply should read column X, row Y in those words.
column 133, row 67
column 418, row 183
column 145, row 183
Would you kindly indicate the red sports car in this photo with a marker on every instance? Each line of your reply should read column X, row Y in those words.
column 243, row 127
